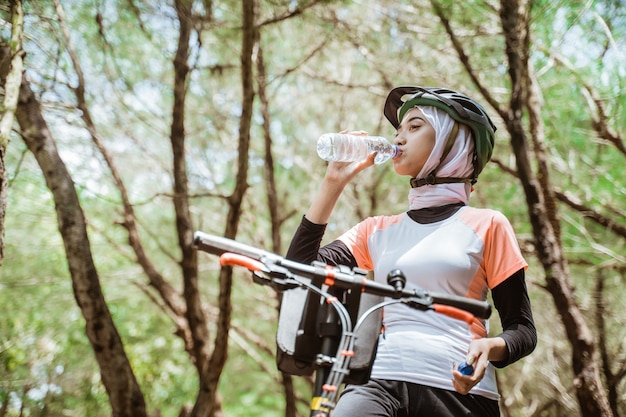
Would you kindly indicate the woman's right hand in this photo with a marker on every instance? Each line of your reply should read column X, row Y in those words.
column 341, row 173
column 338, row 175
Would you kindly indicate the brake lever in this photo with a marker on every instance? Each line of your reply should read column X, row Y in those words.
column 277, row 281
column 418, row 302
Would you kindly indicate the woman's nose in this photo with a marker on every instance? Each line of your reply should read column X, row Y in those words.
column 399, row 140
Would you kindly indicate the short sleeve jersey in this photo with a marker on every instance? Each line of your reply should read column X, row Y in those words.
column 466, row 254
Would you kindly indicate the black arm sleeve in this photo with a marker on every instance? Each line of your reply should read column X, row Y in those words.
column 518, row 327
column 305, row 246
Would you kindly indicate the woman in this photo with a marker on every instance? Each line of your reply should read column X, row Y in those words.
column 441, row 244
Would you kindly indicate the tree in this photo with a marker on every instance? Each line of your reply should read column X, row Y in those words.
column 542, row 207
column 11, row 93
column 117, row 375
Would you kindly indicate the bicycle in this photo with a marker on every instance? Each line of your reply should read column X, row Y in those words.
column 342, row 289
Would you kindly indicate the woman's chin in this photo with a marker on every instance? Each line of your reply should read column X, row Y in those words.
column 402, row 169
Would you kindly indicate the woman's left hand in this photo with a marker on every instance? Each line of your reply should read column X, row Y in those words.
column 480, row 352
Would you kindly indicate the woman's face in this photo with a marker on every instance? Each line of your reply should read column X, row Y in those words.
column 416, row 139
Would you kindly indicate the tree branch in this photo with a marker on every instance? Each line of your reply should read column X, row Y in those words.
column 156, row 280
column 465, row 60
column 600, row 120
column 576, row 204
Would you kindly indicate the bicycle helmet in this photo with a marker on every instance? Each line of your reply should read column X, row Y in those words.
column 460, row 107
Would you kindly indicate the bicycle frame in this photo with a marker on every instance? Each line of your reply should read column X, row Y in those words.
column 283, row 274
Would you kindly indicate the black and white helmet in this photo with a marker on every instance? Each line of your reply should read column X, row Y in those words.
column 460, row 107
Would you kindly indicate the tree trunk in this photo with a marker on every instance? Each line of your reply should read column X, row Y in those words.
column 13, row 67
column 125, row 396
column 210, row 380
column 541, row 202
column 272, row 201
column 196, row 318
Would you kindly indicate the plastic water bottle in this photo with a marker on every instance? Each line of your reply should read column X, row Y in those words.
column 348, row 148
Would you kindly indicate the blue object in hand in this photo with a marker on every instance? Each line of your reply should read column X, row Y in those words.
column 465, row 369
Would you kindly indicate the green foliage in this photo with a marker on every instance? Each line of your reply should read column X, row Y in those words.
column 328, row 68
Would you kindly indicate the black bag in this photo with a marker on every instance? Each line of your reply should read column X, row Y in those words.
column 303, row 325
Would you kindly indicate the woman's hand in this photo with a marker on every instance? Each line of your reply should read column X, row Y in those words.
column 480, row 352
column 341, row 173
column 338, row 175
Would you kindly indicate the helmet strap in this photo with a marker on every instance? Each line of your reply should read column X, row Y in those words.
column 430, row 179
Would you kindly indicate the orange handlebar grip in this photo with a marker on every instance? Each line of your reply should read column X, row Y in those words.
column 234, row 259
column 455, row 313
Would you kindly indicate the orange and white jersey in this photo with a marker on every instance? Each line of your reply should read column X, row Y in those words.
column 466, row 254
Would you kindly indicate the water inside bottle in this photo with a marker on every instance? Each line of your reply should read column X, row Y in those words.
column 345, row 148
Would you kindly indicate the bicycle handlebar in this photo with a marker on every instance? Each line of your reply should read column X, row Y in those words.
column 259, row 260
column 271, row 269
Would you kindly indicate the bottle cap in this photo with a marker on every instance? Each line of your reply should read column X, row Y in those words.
column 465, row 369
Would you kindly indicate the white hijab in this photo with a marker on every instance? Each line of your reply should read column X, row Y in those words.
column 458, row 163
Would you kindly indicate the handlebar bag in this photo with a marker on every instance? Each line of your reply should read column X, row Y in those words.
column 308, row 327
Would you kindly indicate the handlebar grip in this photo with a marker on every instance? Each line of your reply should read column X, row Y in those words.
column 233, row 259
column 480, row 309
column 455, row 313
